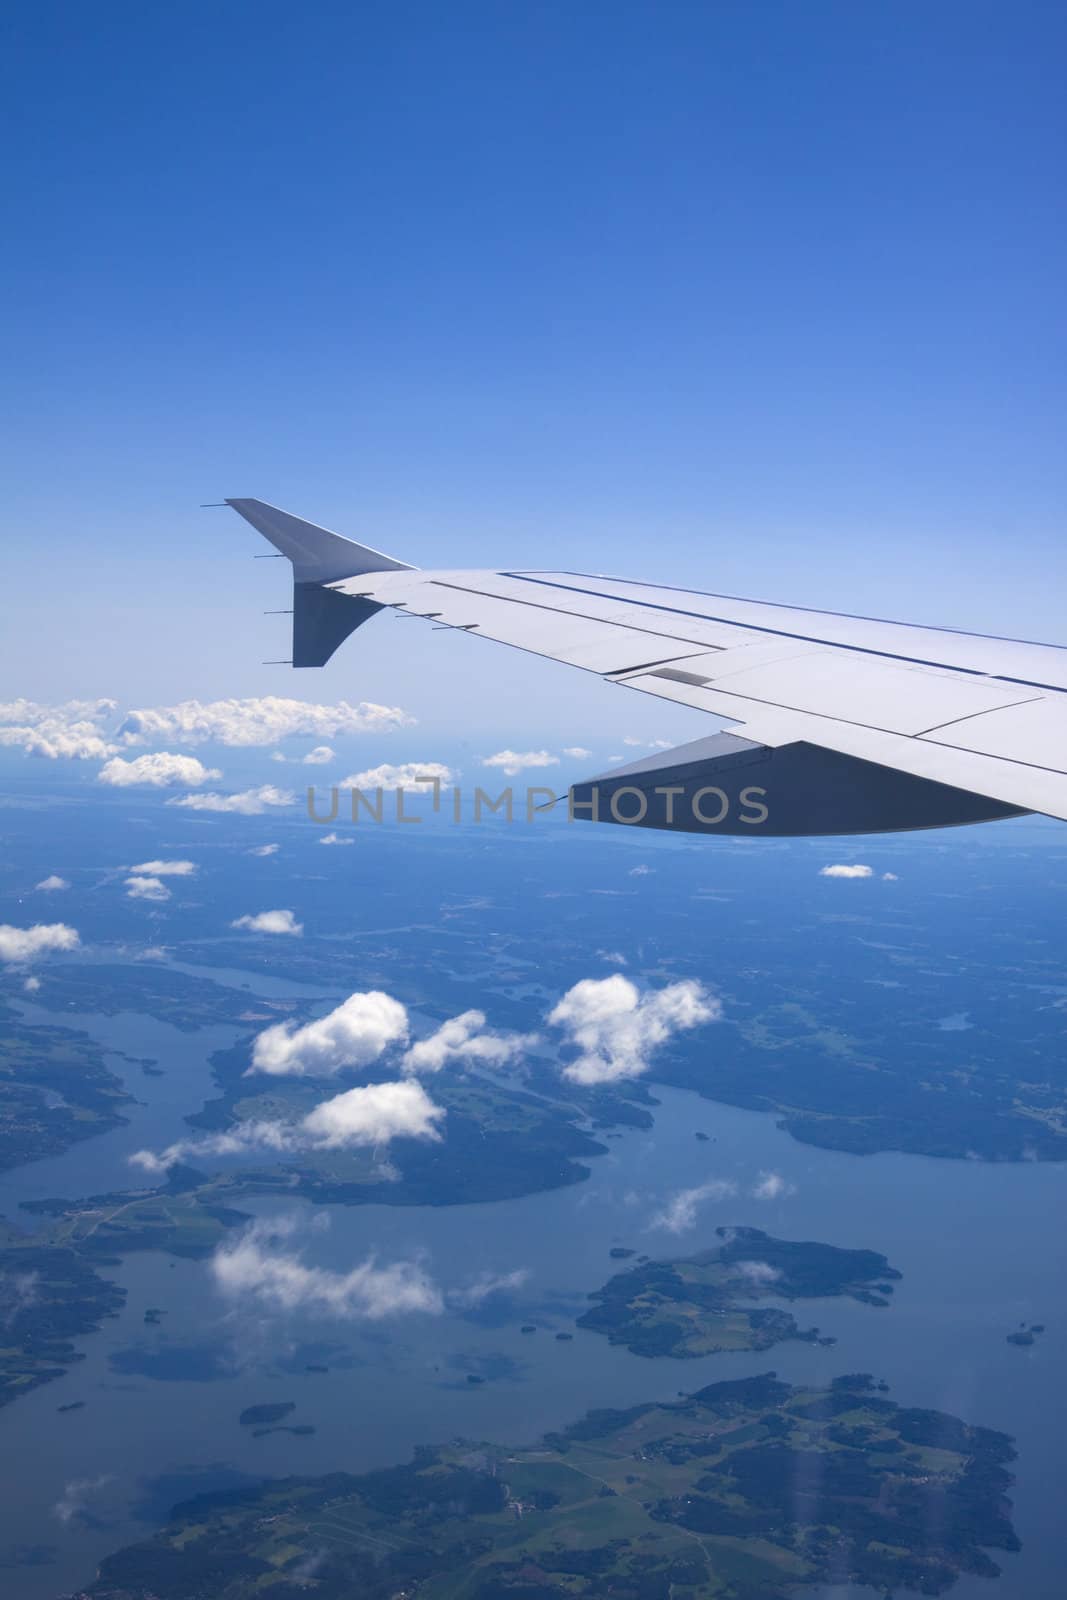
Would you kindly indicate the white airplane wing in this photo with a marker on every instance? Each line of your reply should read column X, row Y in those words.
column 845, row 724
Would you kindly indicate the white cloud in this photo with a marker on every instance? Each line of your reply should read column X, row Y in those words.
column 247, row 1268
column 73, row 731
column 369, row 1116
column 261, row 721
column 614, row 957
column 31, row 985
column 19, row 945
column 616, row 1029
column 146, row 889
column 335, row 838
column 50, row 884
column 633, row 742
column 374, row 1115
column 577, row 752
column 680, row 1212
column 759, row 1273
column 889, row 877
column 640, row 871
column 248, row 803
column 356, row 1033
column 264, row 850
column 160, row 770
column 515, row 761
column 166, row 869
column 319, row 757
column 270, row 922
column 843, row 870
column 488, row 1283
column 771, row 1186
column 76, row 1495
column 462, row 1039
column 404, row 776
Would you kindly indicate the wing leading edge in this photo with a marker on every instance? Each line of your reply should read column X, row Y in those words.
column 850, row 724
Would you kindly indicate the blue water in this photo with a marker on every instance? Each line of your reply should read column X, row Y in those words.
column 977, row 1245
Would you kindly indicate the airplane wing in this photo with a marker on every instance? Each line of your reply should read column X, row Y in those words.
column 845, row 724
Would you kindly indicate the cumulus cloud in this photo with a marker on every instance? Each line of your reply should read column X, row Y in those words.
column 616, row 1029
column 246, row 1268
column 640, row 871
column 72, row 731
column 335, row 838
column 371, row 1116
column 577, row 752
column 247, row 803
column 408, row 775
column 374, row 1115
column 613, row 957
column 21, row 945
column 140, row 888
column 166, row 869
column 261, row 721
column 680, row 1212
column 31, row 985
column 464, row 1038
column 160, row 770
column 270, row 922
column 356, row 1033
column 264, row 850
column 319, row 757
column 50, row 884
column 515, row 761
column 771, row 1186
column 889, row 877
column 841, row 869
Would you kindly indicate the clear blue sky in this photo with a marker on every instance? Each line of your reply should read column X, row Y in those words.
column 763, row 297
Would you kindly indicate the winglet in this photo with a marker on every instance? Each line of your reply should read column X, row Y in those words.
column 322, row 618
column 318, row 556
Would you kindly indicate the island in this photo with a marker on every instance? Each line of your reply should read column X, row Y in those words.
column 743, row 1490
column 700, row 1304
column 55, row 1090
column 48, row 1296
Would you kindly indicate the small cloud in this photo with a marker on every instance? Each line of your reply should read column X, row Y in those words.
column 616, row 1029
column 248, row 1268
column 19, row 945
column 577, row 752
column 354, row 1034
column 889, row 877
column 279, row 756
column 248, row 803
column 759, row 1273
column 31, row 985
column 335, row 838
column 486, row 1285
column 640, row 871
column 75, row 1497
column 415, row 775
column 166, row 869
column 319, row 757
column 464, row 1038
column 516, row 761
column 844, row 870
column 613, row 957
column 680, row 1212
column 160, row 770
column 51, row 884
column 264, row 850
column 270, row 922
column 141, row 888
column 771, row 1186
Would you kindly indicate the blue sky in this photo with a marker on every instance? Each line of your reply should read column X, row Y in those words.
column 758, row 297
